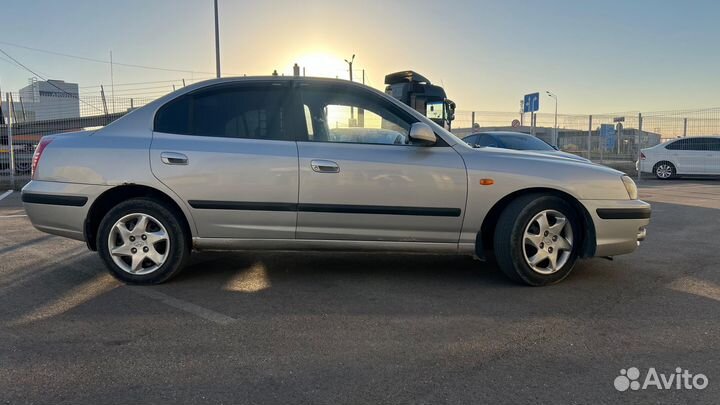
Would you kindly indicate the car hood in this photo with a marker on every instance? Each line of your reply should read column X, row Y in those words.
column 562, row 158
column 554, row 154
column 562, row 154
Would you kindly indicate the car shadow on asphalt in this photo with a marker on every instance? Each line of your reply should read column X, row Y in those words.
column 266, row 283
column 316, row 266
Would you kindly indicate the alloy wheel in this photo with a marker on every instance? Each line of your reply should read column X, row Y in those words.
column 664, row 171
column 139, row 244
column 547, row 242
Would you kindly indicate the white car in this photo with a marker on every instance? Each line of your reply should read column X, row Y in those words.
column 697, row 155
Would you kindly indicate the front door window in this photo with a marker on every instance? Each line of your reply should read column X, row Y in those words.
column 336, row 114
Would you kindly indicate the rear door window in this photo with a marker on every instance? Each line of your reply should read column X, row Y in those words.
column 692, row 144
column 247, row 111
column 714, row 144
column 681, row 144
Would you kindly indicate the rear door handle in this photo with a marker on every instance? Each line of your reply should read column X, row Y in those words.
column 173, row 158
column 324, row 166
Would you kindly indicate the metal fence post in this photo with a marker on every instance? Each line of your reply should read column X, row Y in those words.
column 472, row 124
column 589, row 135
column 639, row 137
column 601, row 147
column 684, row 127
column 8, row 99
column 104, row 102
column 532, row 122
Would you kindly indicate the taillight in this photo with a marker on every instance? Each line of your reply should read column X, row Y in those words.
column 642, row 156
column 38, row 153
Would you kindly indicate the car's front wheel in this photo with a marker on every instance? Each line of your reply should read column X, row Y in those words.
column 537, row 239
column 142, row 242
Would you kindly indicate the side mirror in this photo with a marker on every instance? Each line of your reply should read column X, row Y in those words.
column 450, row 110
column 422, row 132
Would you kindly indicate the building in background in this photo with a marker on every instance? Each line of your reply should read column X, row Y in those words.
column 47, row 100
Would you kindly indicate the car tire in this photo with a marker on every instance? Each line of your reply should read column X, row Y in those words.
column 664, row 170
column 537, row 239
column 148, row 255
column 23, row 167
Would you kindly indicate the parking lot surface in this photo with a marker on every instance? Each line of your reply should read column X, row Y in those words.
column 363, row 328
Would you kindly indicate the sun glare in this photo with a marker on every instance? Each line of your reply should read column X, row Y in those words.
column 322, row 65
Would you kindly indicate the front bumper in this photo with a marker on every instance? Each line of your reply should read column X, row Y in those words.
column 619, row 224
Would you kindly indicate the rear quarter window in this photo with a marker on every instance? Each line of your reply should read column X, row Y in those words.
column 174, row 117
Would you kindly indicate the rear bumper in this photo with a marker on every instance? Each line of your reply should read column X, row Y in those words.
column 59, row 208
column 619, row 224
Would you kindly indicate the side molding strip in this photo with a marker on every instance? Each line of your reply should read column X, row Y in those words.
column 380, row 210
column 624, row 213
column 51, row 199
column 244, row 206
column 326, row 208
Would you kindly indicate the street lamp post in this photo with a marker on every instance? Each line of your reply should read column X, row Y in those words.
column 217, row 42
column 350, row 63
column 555, row 133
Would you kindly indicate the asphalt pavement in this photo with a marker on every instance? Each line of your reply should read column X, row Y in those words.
column 363, row 328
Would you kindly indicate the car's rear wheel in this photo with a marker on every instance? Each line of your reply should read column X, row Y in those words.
column 664, row 170
column 537, row 239
column 142, row 242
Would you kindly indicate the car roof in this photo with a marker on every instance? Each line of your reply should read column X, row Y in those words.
column 240, row 79
column 248, row 79
column 695, row 137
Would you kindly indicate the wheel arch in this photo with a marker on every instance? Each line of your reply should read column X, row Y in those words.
column 484, row 238
column 110, row 198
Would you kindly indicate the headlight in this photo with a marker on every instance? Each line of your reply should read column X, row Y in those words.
column 630, row 187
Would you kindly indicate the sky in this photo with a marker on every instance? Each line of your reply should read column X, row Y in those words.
column 598, row 57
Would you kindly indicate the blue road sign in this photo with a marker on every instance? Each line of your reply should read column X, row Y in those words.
column 608, row 136
column 531, row 102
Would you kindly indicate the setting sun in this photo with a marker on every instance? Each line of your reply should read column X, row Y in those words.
column 322, row 64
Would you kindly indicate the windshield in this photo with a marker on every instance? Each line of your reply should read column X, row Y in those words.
column 521, row 142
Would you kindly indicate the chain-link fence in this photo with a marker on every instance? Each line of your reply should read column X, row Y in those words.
column 612, row 139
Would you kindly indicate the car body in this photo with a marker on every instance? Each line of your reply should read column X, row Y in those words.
column 265, row 163
column 694, row 155
column 517, row 141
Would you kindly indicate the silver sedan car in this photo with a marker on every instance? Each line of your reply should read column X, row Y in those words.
column 289, row 163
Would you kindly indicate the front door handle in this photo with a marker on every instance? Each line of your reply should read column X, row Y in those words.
column 324, row 166
column 173, row 158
